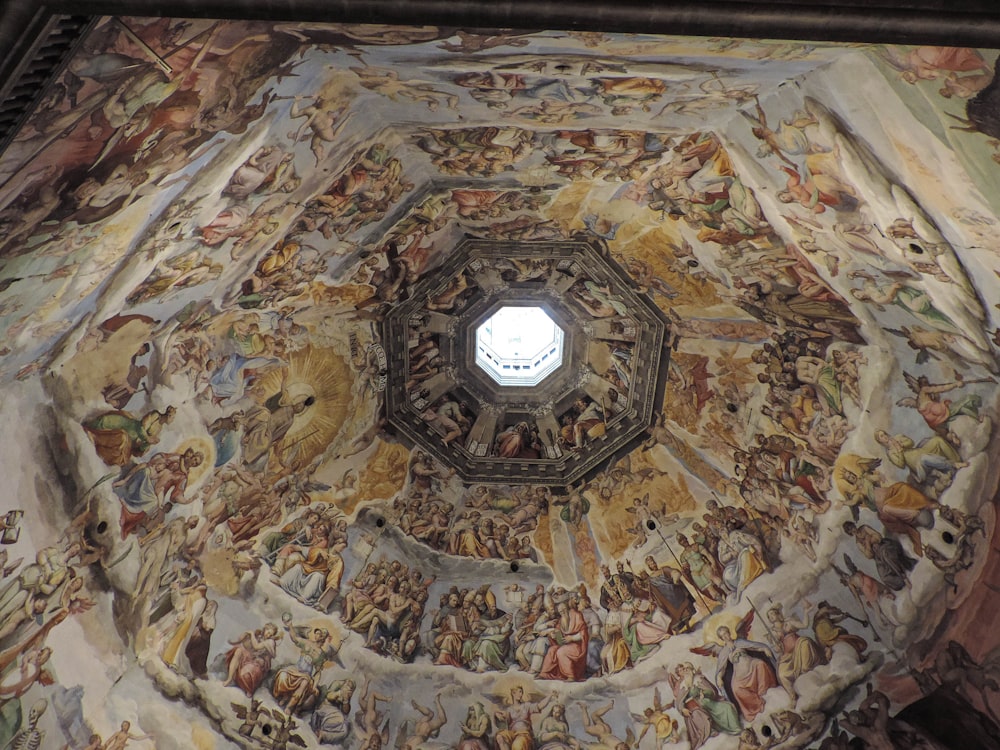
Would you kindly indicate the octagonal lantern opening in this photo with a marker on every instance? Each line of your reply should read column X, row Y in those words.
column 529, row 306
column 519, row 346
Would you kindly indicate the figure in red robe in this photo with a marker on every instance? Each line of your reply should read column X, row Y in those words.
column 566, row 658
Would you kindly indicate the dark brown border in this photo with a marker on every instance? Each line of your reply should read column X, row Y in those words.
column 960, row 23
column 967, row 23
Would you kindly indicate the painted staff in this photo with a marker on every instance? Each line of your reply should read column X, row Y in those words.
column 680, row 565
column 774, row 639
column 867, row 623
column 285, row 448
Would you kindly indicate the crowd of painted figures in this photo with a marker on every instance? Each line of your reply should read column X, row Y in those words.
column 782, row 483
column 236, row 509
column 481, row 530
column 549, row 633
column 34, row 598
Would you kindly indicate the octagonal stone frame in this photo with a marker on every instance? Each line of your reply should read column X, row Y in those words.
column 558, row 466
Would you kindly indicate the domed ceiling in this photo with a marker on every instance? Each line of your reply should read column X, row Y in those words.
column 261, row 494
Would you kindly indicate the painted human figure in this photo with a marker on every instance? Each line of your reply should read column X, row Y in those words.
column 566, row 658
column 518, row 715
column 31, row 737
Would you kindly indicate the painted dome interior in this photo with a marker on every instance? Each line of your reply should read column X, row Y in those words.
column 290, row 464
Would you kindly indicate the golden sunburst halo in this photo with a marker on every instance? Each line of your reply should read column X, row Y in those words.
column 320, row 373
column 207, row 450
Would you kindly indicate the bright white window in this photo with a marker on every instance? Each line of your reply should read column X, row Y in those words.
column 519, row 345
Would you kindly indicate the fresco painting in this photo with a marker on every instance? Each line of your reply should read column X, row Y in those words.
column 216, row 536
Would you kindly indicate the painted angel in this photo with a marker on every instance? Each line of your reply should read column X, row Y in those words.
column 746, row 669
column 655, row 717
